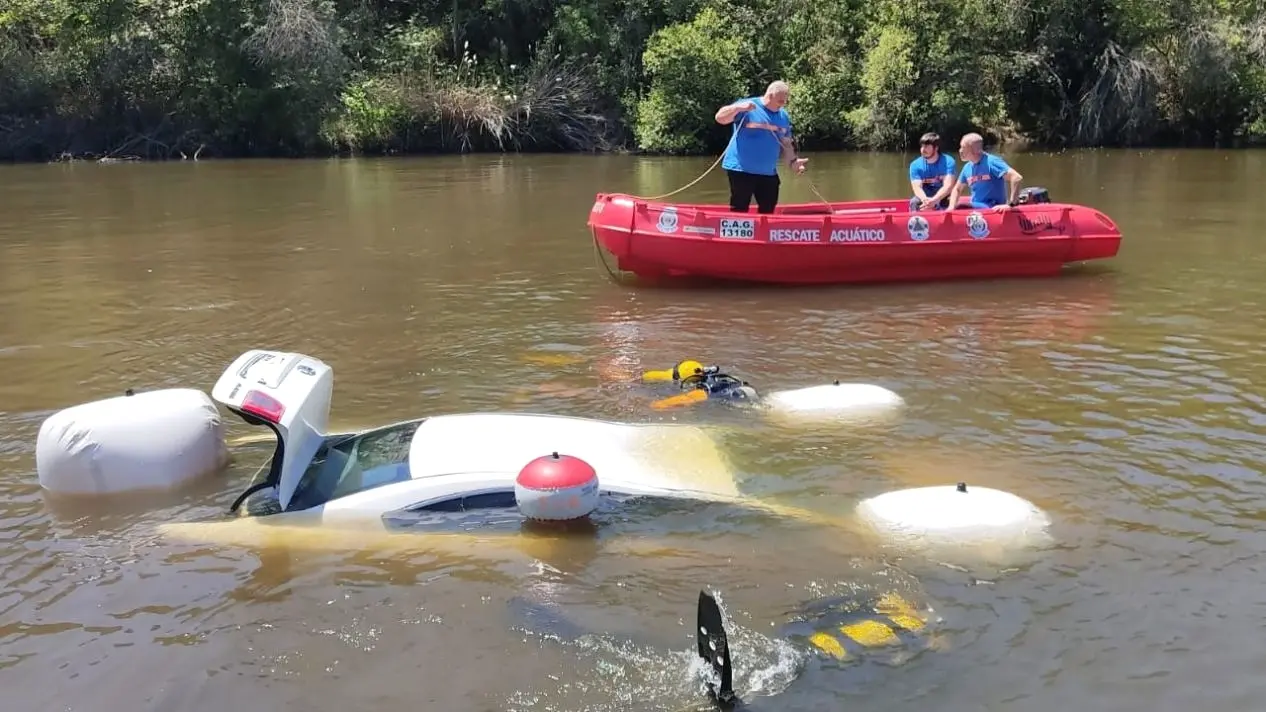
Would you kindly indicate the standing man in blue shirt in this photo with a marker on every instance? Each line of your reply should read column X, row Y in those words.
column 760, row 137
column 931, row 175
column 994, row 184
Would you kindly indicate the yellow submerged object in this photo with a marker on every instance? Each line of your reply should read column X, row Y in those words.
column 891, row 622
column 310, row 534
column 553, row 359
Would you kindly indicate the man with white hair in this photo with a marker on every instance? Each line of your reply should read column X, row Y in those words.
column 988, row 176
column 759, row 138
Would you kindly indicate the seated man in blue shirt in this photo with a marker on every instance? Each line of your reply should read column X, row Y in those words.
column 994, row 184
column 931, row 175
column 758, row 139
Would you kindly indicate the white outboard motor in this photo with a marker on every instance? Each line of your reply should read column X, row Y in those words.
column 290, row 393
column 151, row 441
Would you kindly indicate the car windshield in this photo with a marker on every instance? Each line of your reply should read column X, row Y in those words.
column 346, row 466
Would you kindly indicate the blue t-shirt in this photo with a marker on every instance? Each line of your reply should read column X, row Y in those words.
column 984, row 177
column 754, row 147
column 931, row 175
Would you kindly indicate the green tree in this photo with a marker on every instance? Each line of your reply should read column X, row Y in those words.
column 693, row 70
column 173, row 78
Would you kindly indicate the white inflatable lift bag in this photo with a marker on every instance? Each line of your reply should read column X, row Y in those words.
column 838, row 402
column 956, row 515
column 155, row 440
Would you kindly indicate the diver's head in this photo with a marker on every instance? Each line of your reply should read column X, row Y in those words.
column 688, row 372
column 685, row 373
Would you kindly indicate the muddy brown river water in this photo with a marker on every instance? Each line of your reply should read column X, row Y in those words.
column 1120, row 398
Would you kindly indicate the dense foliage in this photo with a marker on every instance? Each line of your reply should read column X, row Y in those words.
column 165, row 78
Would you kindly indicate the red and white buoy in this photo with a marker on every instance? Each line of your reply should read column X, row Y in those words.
column 556, row 488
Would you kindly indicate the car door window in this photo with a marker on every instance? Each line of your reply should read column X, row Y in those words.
column 357, row 464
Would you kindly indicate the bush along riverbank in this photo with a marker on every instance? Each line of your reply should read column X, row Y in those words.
column 153, row 79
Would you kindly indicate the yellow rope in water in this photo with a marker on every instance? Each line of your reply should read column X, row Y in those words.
column 717, row 162
column 690, row 184
column 602, row 260
column 818, row 193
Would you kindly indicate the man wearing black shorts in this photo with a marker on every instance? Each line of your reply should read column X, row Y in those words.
column 761, row 135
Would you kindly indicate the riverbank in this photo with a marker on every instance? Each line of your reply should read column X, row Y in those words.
column 293, row 78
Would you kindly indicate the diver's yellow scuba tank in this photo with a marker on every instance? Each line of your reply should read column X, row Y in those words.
column 685, row 369
column 890, row 622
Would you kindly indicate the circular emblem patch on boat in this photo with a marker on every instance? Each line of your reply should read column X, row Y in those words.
column 668, row 220
column 918, row 227
column 977, row 227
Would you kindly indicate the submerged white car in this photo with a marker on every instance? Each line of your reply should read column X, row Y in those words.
column 389, row 477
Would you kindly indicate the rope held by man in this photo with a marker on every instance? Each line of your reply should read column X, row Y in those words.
column 717, row 162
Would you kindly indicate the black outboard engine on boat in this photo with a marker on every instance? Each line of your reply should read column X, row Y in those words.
column 1033, row 195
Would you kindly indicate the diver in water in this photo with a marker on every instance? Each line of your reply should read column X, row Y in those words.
column 839, row 629
column 699, row 383
column 829, row 629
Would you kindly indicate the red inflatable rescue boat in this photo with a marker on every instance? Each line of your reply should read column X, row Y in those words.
column 862, row 241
